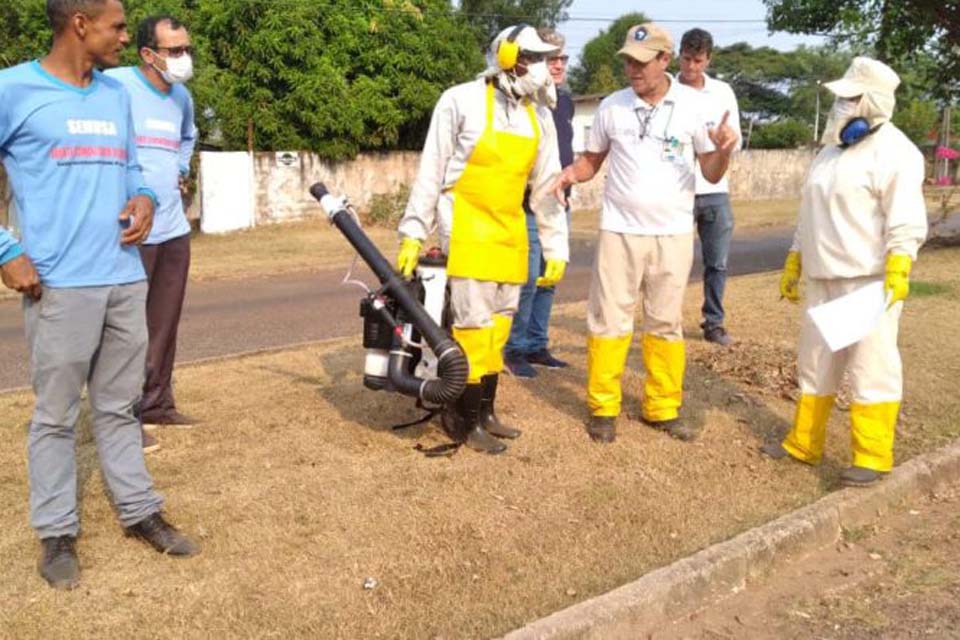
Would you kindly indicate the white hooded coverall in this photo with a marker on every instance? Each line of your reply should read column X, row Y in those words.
column 859, row 204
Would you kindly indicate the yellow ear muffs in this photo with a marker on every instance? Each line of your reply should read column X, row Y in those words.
column 508, row 51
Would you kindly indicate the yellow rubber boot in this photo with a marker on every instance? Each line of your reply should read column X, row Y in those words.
column 606, row 359
column 501, row 333
column 873, row 429
column 476, row 345
column 805, row 441
column 665, row 362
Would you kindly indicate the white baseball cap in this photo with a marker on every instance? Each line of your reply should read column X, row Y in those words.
column 865, row 75
column 527, row 40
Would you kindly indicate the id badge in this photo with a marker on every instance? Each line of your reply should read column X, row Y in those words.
column 672, row 150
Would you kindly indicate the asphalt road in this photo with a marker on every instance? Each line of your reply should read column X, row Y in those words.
column 221, row 318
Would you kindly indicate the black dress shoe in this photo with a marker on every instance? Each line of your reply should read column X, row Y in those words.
column 163, row 536
column 58, row 563
column 860, row 477
column 774, row 450
column 602, row 429
column 677, row 428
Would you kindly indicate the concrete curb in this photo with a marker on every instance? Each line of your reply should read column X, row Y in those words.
column 667, row 594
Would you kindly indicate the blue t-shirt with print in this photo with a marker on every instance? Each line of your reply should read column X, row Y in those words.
column 166, row 136
column 71, row 158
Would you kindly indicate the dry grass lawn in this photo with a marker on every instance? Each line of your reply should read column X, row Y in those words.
column 299, row 491
column 289, row 247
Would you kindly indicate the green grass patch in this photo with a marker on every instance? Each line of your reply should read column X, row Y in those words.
column 922, row 289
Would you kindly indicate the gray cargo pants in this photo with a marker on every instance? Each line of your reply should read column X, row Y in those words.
column 95, row 336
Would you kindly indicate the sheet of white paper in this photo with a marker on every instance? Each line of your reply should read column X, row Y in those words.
column 850, row 318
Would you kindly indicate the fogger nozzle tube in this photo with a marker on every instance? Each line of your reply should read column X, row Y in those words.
column 452, row 366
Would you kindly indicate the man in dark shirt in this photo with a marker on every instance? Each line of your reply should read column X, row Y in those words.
column 528, row 341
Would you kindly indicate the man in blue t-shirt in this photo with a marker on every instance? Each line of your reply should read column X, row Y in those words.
column 66, row 140
column 529, row 339
column 166, row 136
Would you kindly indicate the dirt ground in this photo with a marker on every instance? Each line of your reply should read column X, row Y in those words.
column 301, row 494
column 897, row 579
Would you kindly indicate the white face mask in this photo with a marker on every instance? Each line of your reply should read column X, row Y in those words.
column 843, row 111
column 536, row 78
column 178, row 69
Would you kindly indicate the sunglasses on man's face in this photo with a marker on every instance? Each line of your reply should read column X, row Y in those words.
column 530, row 57
column 563, row 59
column 176, row 52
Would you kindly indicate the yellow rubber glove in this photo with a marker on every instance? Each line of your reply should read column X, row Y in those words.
column 409, row 256
column 896, row 284
column 552, row 273
column 790, row 278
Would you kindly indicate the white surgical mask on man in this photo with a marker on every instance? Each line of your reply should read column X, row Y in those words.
column 179, row 69
column 843, row 111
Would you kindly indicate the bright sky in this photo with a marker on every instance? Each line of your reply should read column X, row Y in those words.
column 589, row 17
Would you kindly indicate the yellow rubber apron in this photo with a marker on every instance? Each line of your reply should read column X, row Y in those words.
column 488, row 240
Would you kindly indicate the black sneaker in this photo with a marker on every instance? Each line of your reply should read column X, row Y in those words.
column 58, row 564
column 519, row 367
column 543, row 358
column 163, row 536
column 717, row 335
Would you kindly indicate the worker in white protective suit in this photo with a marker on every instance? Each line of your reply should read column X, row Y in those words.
column 862, row 220
column 489, row 141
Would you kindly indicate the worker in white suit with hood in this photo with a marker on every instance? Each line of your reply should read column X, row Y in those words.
column 862, row 220
column 489, row 141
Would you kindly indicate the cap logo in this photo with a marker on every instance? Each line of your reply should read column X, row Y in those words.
column 640, row 35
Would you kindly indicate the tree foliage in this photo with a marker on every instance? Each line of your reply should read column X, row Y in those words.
column 772, row 84
column 490, row 17
column 787, row 133
column 24, row 32
column 599, row 69
column 897, row 31
column 335, row 77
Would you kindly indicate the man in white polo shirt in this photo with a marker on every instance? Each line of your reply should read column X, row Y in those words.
column 654, row 133
column 712, row 212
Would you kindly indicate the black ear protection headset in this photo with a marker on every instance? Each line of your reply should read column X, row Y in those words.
column 508, row 51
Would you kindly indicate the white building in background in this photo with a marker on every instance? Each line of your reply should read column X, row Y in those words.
column 585, row 107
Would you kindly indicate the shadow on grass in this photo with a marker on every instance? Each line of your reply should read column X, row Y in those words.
column 356, row 405
column 703, row 390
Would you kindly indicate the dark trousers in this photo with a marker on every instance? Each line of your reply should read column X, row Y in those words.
column 714, row 219
column 167, row 265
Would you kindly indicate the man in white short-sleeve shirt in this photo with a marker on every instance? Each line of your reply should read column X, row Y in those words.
column 712, row 212
column 653, row 133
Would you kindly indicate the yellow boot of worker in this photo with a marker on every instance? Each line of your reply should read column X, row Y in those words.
column 873, row 427
column 476, row 344
column 665, row 362
column 806, row 439
column 501, row 333
column 606, row 360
